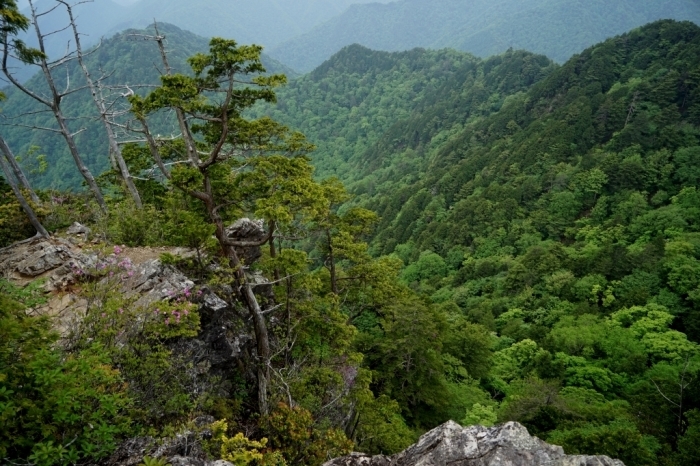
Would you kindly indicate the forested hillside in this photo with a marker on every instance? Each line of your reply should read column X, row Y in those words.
column 556, row 28
column 519, row 241
column 127, row 59
column 359, row 96
column 564, row 220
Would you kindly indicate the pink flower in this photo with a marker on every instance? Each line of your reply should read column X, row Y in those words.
column 167, row 321
column 117, row 250
column 121, row 311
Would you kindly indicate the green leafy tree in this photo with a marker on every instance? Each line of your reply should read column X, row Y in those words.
column 233, row 165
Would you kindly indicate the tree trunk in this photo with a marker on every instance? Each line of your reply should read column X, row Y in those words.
column 33, row 219
column 98, row 98
column 17, row 170
column 73, row 149
column 262, row 337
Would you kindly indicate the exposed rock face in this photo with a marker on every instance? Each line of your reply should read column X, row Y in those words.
column 53, row 258
column 451, row 444
column 245, row 229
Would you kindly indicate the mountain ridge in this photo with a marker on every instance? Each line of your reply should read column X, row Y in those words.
column 482, row 27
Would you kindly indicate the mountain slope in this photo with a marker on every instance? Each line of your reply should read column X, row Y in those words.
column 266, row 22
column 346, row 105
column 556, row 28
column 564, row 218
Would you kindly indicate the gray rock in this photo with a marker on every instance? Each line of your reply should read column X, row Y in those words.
column 53, row 258
column 506, row 445
column 211, row 303
column 245, row 229
column 221, row 463
column 155, row 281
column 78, row 229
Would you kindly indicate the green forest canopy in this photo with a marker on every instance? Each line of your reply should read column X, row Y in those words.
column 536, row 256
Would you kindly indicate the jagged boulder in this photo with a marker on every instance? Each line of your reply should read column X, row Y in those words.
column 53, row 258
column 245, row 229
column 509, row 444
column 78, row 229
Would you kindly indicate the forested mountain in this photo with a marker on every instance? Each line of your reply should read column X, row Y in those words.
column 520, row 241
column 346, row 105
column 128, row 60
column 562, row 217
column 556, row 28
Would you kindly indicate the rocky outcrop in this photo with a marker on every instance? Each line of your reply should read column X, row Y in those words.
column 245, row 229
column 451, row 444
column 55, row 259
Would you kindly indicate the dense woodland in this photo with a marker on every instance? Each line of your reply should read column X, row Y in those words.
column 518, row 241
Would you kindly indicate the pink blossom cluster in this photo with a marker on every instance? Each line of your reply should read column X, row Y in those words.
column 174, row 316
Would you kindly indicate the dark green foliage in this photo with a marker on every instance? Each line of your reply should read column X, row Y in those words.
column 554, row 206
column 55, row 408
column 14, row 224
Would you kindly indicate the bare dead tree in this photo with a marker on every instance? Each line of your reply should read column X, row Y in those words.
column 102, row 108
column 686, row 378
column 17, row 171
column 13, row 182
column 54, row 99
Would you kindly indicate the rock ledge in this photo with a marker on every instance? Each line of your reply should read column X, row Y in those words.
column 451, row 444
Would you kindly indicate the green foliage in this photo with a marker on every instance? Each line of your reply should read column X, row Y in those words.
column 688, row 446
column 292, row 433
column 14, row 224
column 138, row 340
column 480, row 415
column 129, row 225
column 56, row 408
column 29, row 296
column 618, row 439
column 379, row 425
column 150, row 461
column 242, row 451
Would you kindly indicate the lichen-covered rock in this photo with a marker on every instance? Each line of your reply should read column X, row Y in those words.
column 55, row 259
column 505, row 445
column 154, row 281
